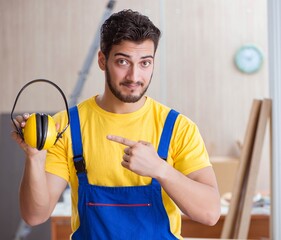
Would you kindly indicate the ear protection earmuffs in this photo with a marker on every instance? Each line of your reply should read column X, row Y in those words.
column 40, row 129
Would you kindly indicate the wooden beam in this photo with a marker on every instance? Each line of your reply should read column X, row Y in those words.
column 250, row 188
column 231, row 224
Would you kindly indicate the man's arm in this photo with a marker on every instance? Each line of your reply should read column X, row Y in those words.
column 39, row 191
column 196, row 194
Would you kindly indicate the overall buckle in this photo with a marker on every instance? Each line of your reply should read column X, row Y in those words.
column 79, row 163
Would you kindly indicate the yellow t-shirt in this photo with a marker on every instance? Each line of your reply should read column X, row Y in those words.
column 187, row 152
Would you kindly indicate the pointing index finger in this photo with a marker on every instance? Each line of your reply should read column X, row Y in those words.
column 121, row 140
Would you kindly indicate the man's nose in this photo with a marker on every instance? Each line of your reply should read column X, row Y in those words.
column 133, row 74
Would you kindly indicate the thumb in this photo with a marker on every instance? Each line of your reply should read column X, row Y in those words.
column 57, row 126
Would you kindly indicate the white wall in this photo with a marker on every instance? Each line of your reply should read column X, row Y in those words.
column 194, row 74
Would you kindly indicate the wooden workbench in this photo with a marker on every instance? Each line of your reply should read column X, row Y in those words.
column 259, row 228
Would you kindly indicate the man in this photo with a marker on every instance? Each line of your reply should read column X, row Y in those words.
column 130, row 178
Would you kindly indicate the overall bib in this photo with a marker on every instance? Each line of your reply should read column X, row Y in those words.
column 120, row 213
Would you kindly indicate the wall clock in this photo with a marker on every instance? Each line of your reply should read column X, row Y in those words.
column 248, row 59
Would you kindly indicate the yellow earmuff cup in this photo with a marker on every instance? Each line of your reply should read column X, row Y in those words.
column 51, row 133
column 30, row 132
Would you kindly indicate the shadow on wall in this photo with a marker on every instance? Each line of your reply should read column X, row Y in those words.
column 12, row 163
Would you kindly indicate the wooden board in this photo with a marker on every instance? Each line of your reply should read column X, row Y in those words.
column 230, row 223
column 244, row 220
column 238, row 219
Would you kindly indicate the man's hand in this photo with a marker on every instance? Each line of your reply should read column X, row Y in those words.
column 30, row 152
column 140, row 157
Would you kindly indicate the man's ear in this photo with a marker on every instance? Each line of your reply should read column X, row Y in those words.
column 101, row 60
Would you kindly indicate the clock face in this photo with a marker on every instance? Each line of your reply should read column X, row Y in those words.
column 248, row 59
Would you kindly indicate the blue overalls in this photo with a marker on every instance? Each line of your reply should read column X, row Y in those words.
column 125, row 213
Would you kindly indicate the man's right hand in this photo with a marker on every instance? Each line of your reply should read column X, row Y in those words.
column 30, row 152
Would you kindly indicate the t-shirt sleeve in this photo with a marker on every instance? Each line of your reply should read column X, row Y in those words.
column 189, row 152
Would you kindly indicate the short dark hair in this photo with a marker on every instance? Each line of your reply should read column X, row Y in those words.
column 127, row 25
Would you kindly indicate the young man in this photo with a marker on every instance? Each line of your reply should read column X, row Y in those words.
column 130, row 176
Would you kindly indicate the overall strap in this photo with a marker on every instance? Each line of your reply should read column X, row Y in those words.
column 165, row 139
column 77, row 146
column 164, row 144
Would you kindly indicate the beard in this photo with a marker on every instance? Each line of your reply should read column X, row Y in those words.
column 127, row 98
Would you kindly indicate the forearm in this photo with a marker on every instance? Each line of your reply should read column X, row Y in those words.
column 34, row 195
column 200, row 201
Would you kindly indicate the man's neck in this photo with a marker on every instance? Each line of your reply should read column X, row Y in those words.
column 114, row 105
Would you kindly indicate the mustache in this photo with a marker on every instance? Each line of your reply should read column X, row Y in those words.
column 128, row 82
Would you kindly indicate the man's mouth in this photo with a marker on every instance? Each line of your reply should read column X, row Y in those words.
column 131, row 85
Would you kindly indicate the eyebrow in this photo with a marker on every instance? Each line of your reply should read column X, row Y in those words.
column 128, row 56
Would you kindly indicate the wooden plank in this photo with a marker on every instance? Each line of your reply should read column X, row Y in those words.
column 259, row 228
column 230, row 223
column 244, row 220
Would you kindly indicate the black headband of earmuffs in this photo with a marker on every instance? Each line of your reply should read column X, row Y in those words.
column 58, row 88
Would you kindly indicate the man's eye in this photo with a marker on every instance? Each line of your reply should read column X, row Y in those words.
column 146, row 63
column 122, row 62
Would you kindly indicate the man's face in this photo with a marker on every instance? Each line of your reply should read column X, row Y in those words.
column 129, row 70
